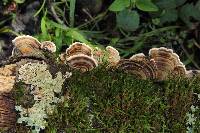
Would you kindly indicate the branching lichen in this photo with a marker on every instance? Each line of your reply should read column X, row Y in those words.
column 43, row 87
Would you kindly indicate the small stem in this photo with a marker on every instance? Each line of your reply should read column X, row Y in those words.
column 40, row 8
column 72, row 12
column 55, row 14
column 148, row 34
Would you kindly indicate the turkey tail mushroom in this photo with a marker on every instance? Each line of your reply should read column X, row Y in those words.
column 139, row 66
column 79, row 56
column 179, row 70
column 27, row 46
column 113, row 55
column 78, row 48
column 49, row 46
column 82, row 62
column 167, row 63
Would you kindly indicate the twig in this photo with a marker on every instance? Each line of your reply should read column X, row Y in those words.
column 55, row 14
column 149, row 34
column 188, row 55
column 72, row 12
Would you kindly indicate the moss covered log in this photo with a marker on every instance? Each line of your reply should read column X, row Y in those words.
column 94, row 90
column 112, row 101
column 106, row 100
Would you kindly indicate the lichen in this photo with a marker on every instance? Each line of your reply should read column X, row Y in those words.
column 43, row 87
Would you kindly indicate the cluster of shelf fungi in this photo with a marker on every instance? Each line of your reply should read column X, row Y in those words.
column 160, row 64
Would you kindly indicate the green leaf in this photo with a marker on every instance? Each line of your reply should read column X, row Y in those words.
column 72, row 12
column 166, row 4
column 77, row 35
column 189, row 11
column 146, row 5
column 44, row 28
column 19, row 1
column 169, row 16
column 128, row 20
column 119, row 5
column 58, row 39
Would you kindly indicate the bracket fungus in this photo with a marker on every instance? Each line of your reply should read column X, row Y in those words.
column 113, row 55
column 29, row 46
column 82, row 62
column 49, row 46
column 167, row 63
column 139, row 65
column 25, row 45
column 79, row 56
column 79, row 48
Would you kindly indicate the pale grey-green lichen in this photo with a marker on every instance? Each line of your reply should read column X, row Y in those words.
column 43, row 87
column 191, row 118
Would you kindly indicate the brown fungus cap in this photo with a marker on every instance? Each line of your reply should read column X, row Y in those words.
column 139, row 57
column 179, row 71
column 25, row 45
column 26, row 40
column 166, row 61
column 143, row 69
column 79, row 48
column 49, row 46
column 113, row 55
column 82, row 62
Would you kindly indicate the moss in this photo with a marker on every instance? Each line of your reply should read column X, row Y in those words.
column 106, row 100
column 112, row 101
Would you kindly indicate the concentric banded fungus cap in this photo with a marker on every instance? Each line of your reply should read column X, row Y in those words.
column 138, row 66
column 138, row 57
column 179, row 71
column 165, row 61
column 82, row 62
column 113, row 55
column 78, row 48
column 26, row 45
column 49, row 46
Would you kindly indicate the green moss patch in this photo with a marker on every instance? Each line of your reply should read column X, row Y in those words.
column 112, row 101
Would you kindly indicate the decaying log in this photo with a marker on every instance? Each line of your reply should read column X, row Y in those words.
column 7, row 102
column 160, row 64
